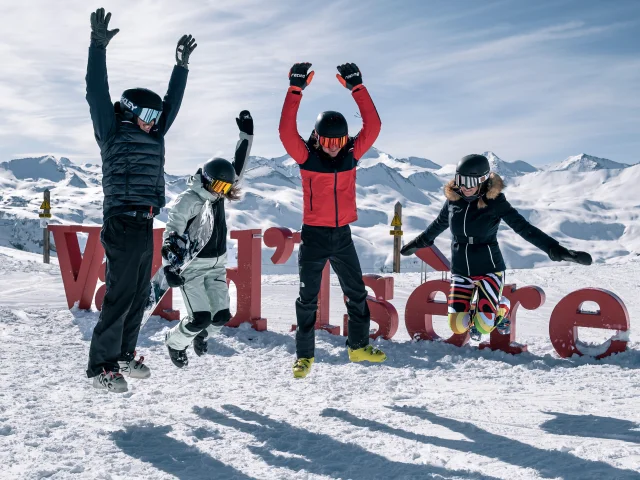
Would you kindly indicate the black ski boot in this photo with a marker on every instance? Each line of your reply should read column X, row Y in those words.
column 200, row 345
column 178, row 357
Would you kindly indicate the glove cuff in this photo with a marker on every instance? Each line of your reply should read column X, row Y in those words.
column 294, row 89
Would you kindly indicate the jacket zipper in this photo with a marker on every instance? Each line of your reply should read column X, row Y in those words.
column 491, row 255
column 310, row 196
column 335, row 193
column 466, row 245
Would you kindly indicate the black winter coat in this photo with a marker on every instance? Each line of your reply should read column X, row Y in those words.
column 132, row 160
column 474, row 228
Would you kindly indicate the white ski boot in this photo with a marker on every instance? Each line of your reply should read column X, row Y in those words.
column 110, row 381
column 134, row 368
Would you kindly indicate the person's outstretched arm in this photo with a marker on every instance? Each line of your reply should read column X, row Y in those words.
column 537, row 237
column 177, row 84
column 243, row 147
column 299, row 78
column 350, row 77
column 98, row 98
column 426, row 238
column 521, row 226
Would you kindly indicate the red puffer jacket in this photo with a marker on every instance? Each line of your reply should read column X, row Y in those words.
column 328, row 184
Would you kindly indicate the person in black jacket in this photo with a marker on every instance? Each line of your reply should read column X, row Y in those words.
column 130, row 135
column 473, row 210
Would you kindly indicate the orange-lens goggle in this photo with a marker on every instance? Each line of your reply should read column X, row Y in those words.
column 328, row 142
column 218, row 186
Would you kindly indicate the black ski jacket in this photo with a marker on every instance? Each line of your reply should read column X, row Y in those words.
column 132, row 160
column 474, row 228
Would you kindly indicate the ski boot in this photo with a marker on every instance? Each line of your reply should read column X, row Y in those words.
column 474, row 333
column 302, row 367
column 133, row 368
column 503, row 323
column 200, row 345
column 367, row 354
column 111, row 382
column 178, row 357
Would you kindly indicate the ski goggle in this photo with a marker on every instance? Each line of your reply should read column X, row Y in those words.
column 220, row 186
column 470, row 182
column 329, row 142
column 147, row 115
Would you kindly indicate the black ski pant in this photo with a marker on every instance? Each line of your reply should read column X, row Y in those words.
column 128, row 244
column 320, row 244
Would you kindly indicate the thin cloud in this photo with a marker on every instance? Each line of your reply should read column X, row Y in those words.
column 446, row 79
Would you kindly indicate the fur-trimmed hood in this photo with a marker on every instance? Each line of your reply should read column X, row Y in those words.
column 491, row 190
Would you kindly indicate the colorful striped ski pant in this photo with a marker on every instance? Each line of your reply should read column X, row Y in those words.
column 488, row 292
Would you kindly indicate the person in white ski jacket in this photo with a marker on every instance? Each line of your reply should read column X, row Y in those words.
column 203, row 283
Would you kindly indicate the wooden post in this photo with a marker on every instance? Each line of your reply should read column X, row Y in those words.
column 44, row 223
column 396, row 223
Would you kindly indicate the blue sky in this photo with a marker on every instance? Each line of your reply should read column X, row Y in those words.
column 536, row 81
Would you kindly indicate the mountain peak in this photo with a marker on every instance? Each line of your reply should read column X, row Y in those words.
column 586, row 163
column 508, row 169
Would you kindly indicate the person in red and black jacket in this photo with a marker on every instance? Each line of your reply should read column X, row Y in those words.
column 328, row 163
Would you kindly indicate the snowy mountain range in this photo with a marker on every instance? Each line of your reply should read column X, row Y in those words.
column 586, row 202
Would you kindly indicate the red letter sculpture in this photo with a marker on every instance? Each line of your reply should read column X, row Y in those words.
column 247, row 278
column 568, row 316
column 382, row 312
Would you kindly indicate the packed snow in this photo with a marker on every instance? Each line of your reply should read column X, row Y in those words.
column 431, row 411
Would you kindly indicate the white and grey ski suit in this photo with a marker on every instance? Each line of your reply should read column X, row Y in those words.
column 205, row 292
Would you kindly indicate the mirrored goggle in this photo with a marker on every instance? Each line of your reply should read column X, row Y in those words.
column 219, row 186
column 470, row 182
column 147, row 115
column 328, row 142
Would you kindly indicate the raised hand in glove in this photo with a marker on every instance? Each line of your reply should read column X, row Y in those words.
column 558, row 253
column 298, row 76
column 100, row 36
column 186, row 45
column 173, row 279
column 414, row 245
column 349, row 75
column 245, row 122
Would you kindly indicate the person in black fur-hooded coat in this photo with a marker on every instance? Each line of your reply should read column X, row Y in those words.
column 473, row 210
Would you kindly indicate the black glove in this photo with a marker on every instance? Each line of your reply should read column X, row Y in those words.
column 298, row 76
column 174, row 248
column 186, row 45
column 100, row 36
column 349, row 75
column 173, row 279
column 558, row 253
column 245, row 122
column 414, row 245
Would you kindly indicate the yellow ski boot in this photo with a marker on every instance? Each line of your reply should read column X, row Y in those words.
column 367, row 354
column 302, row 367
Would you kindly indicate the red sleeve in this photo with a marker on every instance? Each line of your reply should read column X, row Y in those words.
column 371, row 123
column 288, row 129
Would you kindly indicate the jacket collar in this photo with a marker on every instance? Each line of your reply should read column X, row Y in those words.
column 195, row 184
column 492, row 189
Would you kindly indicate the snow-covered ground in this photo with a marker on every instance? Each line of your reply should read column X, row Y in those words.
column 431, row 411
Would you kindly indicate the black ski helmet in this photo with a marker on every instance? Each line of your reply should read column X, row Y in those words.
column 143, row 103
column 472, row 171
column 331, row 125
column 218, row 172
